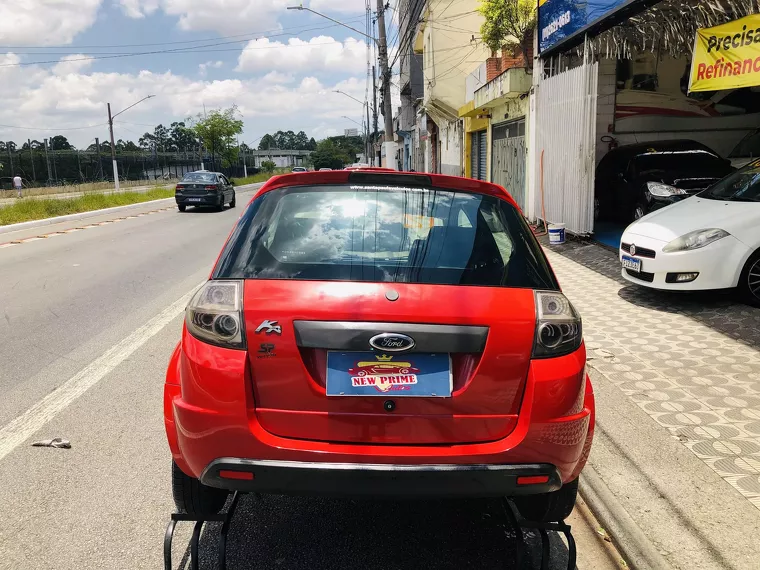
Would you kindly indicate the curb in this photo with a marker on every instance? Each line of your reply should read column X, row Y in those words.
column 639, row 552
column 81, row 215
column 70, row 217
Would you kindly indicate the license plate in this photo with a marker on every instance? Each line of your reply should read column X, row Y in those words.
column 632, row 263
column 377, row 374
column 195, row 199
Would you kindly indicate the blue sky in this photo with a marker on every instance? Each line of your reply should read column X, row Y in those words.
column 280, row 67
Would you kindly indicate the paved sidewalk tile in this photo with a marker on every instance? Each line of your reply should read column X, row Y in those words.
column 691, row 362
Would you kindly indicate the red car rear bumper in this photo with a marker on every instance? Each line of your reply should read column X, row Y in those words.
column 214, row 434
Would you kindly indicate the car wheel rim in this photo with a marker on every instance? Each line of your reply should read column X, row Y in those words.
column 753, row 279
column 638, row 213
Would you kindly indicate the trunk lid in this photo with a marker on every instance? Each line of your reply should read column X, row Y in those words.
column 292, row 325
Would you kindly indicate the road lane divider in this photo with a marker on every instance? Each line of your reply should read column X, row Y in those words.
column 27, row 424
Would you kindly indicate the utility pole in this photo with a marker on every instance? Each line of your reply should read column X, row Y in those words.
column 10, row 156
column 47, row 160
column 113, row 151
column 369, row 140
column 113, row 146
column 31, row 156
column 386, row 74
column 374, row 113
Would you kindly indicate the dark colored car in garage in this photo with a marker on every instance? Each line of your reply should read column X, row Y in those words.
column 633, row 180
column 204, row 188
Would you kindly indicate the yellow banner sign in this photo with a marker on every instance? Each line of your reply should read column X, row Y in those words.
column 727, row 56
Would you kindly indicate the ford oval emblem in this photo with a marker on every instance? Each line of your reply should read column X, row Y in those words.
column 391, row 342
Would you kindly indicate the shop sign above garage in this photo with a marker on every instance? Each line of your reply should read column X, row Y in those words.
column 727, row 56
column 561, row 20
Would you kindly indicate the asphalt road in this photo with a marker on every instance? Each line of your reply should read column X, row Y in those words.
column 89, row 319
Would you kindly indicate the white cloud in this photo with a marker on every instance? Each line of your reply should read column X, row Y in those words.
column 42, row 22
column 345, row 6
column 277, row 77
column 227, row 17
column 73, row 63
column 139, row 8
column 204, row 67
column 51, row 101
column 320, row 53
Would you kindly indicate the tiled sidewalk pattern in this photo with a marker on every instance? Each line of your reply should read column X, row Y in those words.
column 691, row 363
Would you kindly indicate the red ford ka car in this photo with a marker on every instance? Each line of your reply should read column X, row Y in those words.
column 327, row 269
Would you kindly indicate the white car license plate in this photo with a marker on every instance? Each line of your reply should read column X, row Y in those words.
column 632, row 263
column 194, row 199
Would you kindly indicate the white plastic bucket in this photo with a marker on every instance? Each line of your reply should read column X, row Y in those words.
column 556, row 234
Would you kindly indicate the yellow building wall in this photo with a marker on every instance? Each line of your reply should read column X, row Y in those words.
column 449, row 54
column 471, row 125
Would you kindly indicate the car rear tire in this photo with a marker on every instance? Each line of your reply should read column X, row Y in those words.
column 749, row 282
column 193, row 497
column 232, row 202
column 549, row 507
column 181, row 207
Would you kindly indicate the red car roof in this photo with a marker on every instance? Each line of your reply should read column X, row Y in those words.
column 377, row 175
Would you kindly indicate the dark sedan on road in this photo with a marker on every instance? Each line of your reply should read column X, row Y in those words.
column 204, row 189
column 633, row 180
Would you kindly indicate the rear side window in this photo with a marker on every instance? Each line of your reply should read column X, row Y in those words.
column 380, row 234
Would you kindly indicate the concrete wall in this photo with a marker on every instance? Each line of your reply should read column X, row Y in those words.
column 451, row 148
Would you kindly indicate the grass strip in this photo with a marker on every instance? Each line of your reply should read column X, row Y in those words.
column 25, row 210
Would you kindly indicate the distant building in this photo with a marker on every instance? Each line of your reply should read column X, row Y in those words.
column 351, row 132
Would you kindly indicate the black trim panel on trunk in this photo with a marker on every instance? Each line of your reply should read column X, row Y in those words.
column 355, row 336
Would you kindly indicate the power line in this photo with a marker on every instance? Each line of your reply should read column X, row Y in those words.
column 191, row 49
column 53, row 128
column 249, row 35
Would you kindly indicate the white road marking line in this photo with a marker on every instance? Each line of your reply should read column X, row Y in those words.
column 10, row 244
column 36, row 238
column 23, row 427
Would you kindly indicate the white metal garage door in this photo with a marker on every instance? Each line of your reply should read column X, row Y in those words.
column 508, row 158
column 566, row 135
column 478, row 154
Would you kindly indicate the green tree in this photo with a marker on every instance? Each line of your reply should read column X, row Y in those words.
column 181, row 137
column 217, row 130
column 508, row 25
column 59, row 142
column 330, row 155
column 267, row 142
column 268, row 166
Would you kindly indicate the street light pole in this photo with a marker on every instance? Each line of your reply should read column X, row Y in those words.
column 382, row 48
column 113, row 145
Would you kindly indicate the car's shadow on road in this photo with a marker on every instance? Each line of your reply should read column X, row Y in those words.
column 297, row 533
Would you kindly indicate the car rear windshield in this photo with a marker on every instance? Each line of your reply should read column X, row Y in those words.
column 741, row 186
column 383, row 234
column 693, row 160
column 195, row 177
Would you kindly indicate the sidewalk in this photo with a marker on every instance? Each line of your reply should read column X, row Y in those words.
column 678, row 401
column 8, row 197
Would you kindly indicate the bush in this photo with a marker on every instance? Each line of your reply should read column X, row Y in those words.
column 268, row 166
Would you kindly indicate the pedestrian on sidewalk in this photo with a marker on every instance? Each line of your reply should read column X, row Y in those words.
column 17, row 184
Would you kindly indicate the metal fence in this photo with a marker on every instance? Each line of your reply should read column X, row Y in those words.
column 63, row 167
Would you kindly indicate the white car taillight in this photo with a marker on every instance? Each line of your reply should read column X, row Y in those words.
column 215, row 314
column 558, row 326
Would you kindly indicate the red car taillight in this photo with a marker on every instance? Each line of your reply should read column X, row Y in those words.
column 215, row 314
column 180, row 187
column 211, row 187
